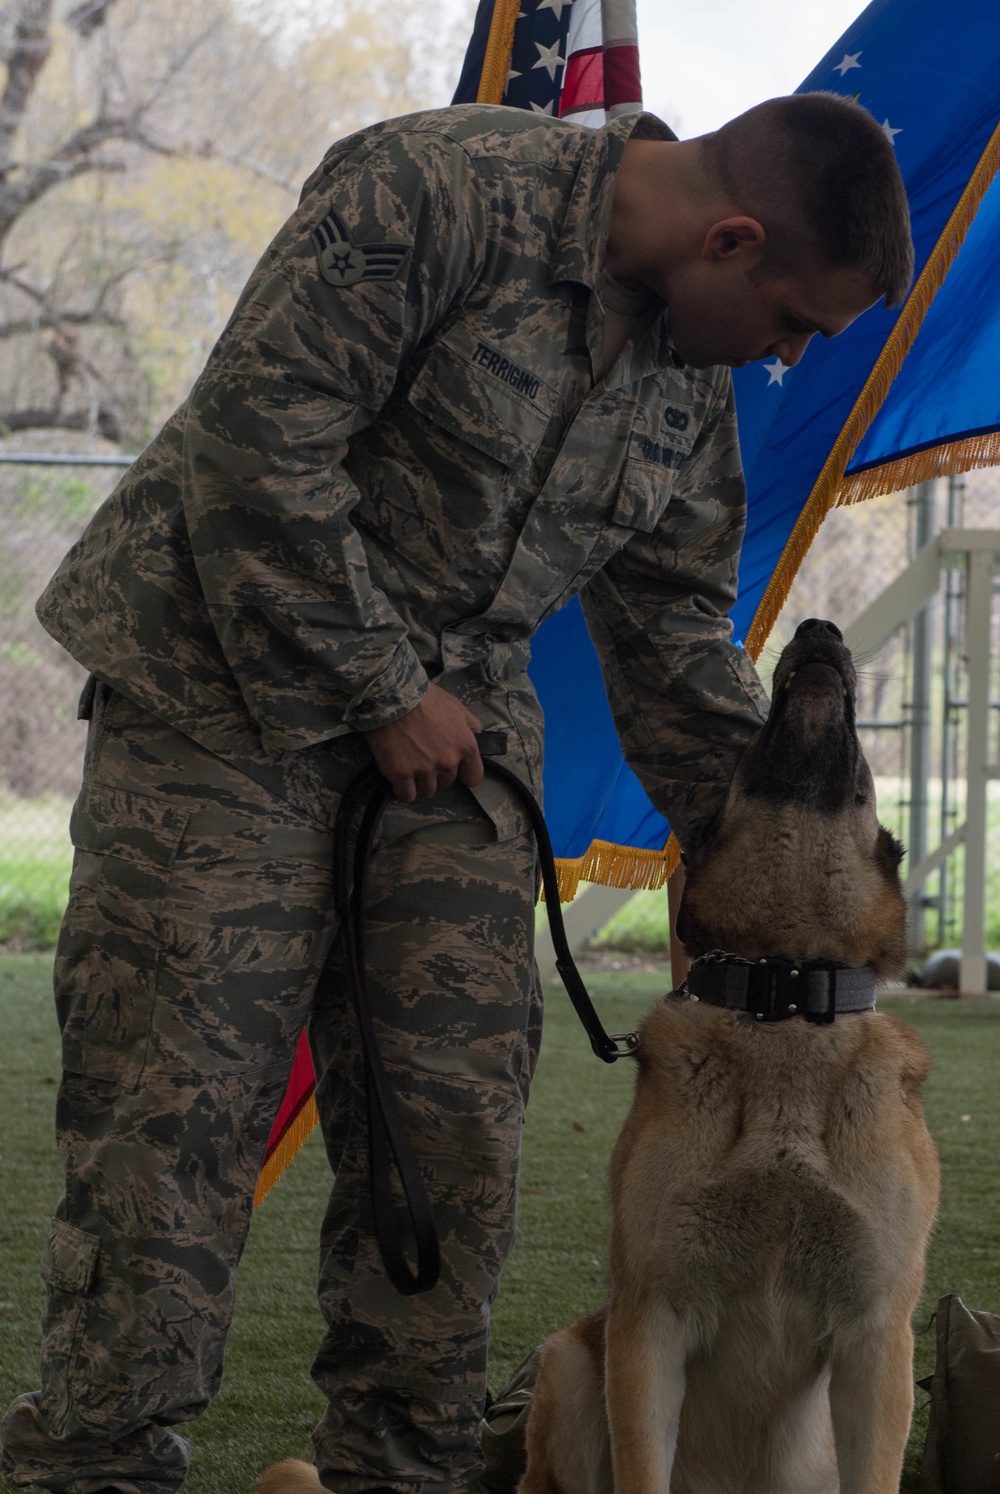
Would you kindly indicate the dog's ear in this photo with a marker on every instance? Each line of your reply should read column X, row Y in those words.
column 692, row 934
column 888, row 851
column 698, row 847
column 700, row 841
column 681, row 928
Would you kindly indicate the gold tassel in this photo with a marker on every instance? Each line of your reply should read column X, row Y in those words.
column 830, row 488
column 287, row 1149
column 499, row 45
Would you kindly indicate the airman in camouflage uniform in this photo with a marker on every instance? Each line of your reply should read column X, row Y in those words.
column 410, row 445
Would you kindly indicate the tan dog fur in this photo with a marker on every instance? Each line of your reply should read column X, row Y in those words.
column 289, row 1477
column 774, row 1185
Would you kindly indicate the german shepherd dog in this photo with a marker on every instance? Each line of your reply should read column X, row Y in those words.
column 774, row 1185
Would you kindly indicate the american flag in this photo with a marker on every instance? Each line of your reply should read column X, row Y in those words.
column 573, row 59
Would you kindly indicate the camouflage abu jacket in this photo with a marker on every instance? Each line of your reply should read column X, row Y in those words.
column 397, row 462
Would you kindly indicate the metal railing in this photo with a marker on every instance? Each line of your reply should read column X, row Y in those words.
column 975, row 553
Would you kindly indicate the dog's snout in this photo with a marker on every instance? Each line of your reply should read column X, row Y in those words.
column 813, row 623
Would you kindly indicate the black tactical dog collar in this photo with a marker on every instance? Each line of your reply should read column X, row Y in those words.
column 773, row 989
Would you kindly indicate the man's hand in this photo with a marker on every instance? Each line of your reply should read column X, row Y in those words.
column 429, row 748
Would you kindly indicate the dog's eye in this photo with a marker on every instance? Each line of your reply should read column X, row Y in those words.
column 861, row 798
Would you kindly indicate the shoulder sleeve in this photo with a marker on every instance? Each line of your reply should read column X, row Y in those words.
column 685, row 698
column 388, row 240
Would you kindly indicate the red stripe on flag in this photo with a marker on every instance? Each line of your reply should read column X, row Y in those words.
column 583, row 81
column 300, row 1086
column 599, row 79
column 622, row 84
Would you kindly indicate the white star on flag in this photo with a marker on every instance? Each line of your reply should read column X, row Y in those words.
column 556, row 7
column 777, row 371
column 543, row 108
column 850, row 60
column 890, row 133
column 548, row 57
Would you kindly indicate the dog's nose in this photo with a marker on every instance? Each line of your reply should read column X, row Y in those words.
column 818, row 622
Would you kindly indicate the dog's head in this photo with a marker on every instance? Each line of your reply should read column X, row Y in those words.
column 797, row 864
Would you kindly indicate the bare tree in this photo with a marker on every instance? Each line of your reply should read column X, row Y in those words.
column 148, row 149
column 33, row 165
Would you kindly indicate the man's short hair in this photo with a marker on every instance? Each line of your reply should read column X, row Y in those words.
column 817, row 171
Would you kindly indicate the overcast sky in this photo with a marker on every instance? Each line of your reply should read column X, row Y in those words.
column 704, row 61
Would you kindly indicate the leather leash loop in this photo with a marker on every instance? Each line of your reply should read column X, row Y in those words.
column 606, row 1047
column 358, row 818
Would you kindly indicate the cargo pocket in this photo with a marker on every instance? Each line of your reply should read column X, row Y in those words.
column 504, row 810
column 109, row 945
column 459, row 816
column 69, row 1265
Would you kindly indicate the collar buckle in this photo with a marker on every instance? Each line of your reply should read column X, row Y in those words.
column 773, row 990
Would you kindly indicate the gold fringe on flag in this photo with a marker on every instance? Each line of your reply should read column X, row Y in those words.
column 830, row 488
column 499, row 46
column 617, row 866
column 294, row 1139
column 921, row 466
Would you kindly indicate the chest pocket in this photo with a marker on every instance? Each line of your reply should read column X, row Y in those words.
column 443, row 464
column 647, row 481
column 501, row 414
column 642, row 495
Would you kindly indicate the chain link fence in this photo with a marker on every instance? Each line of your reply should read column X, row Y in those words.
column 43, row 508
column 858, row 551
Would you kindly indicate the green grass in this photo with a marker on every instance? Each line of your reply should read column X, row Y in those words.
column 35, row 861
column 556, row 1271
column 32, row 899
column 641, row 927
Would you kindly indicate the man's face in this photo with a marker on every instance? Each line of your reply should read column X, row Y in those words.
column 723, row 312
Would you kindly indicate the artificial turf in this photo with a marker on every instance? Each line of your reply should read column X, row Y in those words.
column 556, row 1271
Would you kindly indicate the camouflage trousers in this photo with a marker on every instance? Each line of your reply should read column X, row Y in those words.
column 199, row 918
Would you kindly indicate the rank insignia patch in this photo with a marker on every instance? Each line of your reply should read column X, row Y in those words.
column 342, row 262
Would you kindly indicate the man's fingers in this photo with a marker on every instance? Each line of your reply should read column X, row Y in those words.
column 430, row 748
column 471, row 770
column 428, row 783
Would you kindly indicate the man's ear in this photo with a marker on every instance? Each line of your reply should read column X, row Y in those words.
column 731, row 237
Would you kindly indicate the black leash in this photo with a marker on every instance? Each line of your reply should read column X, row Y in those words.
column 362, row 806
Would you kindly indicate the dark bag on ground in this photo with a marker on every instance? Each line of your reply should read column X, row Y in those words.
column 962, row 1451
